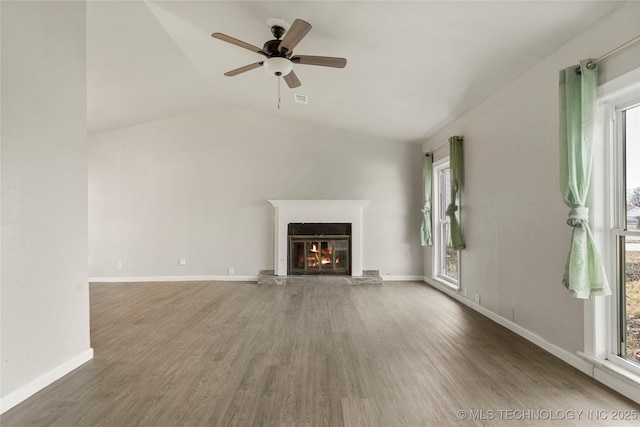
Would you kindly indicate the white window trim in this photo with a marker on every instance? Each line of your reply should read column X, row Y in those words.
column 600, row 313
column 437, row 273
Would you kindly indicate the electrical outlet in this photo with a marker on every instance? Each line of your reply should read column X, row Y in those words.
column 232, row 271
column 478, row 299
column 464, row 292
column 182, row 261
column 512, row 313
column 119, row 265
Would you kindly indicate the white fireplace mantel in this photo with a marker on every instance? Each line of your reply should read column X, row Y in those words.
column 300, row 211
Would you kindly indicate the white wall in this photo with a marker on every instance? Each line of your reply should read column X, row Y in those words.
column 196, row 186
column 513, row 213
column 45, row 295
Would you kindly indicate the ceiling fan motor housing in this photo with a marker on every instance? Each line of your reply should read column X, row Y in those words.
column 272, row 47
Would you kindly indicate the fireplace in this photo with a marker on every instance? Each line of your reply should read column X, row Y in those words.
column 319, row 248
column 318, row 212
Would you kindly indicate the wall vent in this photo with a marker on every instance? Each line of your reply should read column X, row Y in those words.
column 301, row 99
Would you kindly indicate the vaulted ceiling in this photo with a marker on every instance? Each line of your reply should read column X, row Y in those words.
column 412, row 66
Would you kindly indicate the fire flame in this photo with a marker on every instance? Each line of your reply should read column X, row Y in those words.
column 322, row 255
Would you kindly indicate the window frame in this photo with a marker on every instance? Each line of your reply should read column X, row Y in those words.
column 619, row 229
column 608, row 199
column 440, row 245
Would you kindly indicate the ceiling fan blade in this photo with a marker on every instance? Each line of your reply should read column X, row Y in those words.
column 294, row 34
column 292, row 80
column 240, row 43
column 324, row 61
column 243, row 69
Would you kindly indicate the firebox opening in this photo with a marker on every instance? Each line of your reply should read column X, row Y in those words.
column 319, row 248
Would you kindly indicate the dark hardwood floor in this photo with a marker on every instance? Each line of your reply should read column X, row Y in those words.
column 238, row 354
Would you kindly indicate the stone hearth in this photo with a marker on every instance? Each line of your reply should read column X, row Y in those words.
column 266, row 277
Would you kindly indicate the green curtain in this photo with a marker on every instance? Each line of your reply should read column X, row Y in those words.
column 456, row 167
column 584, row 275
column 427, row 171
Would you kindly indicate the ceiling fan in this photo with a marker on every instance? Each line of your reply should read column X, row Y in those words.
column 278, row 52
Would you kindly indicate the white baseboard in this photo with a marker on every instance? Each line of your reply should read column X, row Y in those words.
column 602, row 375
column 402, row 278
column 31, row 388
column 396, row 278
column 173, row 279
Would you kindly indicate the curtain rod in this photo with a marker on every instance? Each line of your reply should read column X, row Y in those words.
column 446, row 144
column 591, row 64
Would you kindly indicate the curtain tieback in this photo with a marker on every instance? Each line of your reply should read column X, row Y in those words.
column 451, row 210
column 578, row 216
column 426, row 209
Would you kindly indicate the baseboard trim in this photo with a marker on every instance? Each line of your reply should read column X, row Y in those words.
column 173, row 279
column 133, row 279
column 596, row 372
column 402, row 278
column 560, row 353
column 31, row 388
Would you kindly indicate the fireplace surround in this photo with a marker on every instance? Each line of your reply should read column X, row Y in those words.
column 318, row 212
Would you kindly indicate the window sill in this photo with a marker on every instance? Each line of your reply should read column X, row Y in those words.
column 449, row 284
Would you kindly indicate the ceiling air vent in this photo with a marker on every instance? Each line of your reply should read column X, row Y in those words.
column 301, row 99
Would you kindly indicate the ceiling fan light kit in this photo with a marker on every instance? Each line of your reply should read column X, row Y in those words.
column 277, row 66
column 278, row 52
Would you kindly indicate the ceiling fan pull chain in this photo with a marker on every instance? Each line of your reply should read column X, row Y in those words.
column 278, row 92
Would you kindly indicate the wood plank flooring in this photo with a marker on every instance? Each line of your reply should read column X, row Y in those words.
column 239, row 354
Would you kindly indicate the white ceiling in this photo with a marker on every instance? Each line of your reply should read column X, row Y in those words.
column 412, row 66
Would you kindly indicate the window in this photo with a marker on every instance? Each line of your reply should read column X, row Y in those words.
column 627, row 233
column 613, row 331
column 446, row 261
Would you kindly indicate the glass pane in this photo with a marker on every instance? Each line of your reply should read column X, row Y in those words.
column 452, row 264
column 326, row 254
column 313, row 256
column 449, row 258
column 631, row 295
column 340, row 249
column 630, row 288
column 445, row 177
column 444, row 235
column 632, row 166
column 297, row 255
